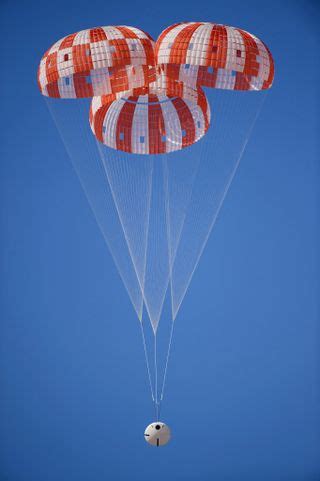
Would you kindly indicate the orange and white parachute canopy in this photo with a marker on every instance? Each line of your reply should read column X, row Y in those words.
column 161, row 118
column 147, row 96
column 212, row 55
column 97, row 61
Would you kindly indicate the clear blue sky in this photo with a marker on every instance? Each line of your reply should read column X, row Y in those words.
column 243, row 399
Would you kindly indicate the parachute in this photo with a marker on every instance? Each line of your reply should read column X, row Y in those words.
column 217, row 56
column 168, row 124
column 153, row 123
column 97, row 61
